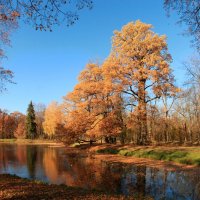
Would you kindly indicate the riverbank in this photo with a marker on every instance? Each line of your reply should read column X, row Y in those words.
column 14, row 188
column 154, row 156
column 182, row 155
column 162, row 156
column 35, row 142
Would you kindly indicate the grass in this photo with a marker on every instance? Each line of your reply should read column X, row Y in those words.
column 8, row 140
column 108, row 151
column 28, row 141
column 189, row 156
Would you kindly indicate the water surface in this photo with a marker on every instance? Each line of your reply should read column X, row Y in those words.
column 55, row 165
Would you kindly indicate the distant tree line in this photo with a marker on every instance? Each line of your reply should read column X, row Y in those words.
column 130, row 98
column 19, row 125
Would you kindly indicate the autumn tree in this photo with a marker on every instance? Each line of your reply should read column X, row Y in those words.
column 92, row 109
column 9, row 126
column 20, row 131
column 20, row 122
column 52, row 119
column 39, row 118
column 2, row 122
column 9, row 123
column 31, row 127
column 139, row 67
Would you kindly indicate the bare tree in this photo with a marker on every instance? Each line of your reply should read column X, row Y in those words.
column 7, row 24
column 189, row 12
column 193, row 71
column 45, row 14
column 5, row 77
column 39, row 116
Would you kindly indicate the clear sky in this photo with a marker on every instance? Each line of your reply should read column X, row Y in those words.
column 46, row 64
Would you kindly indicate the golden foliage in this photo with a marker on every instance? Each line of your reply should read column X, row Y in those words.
column 91, row 104
column 53, row 117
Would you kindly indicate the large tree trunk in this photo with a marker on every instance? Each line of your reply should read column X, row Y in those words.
column 166, row 131
column 142, row 114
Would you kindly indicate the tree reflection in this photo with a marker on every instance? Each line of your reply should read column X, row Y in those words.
column 141, row 180
column 31, row 160
column 55, row 165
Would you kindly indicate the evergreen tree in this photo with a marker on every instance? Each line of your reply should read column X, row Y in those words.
column 31, row 130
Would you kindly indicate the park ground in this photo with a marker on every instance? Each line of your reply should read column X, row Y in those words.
column 172, row 157
column 15, row 188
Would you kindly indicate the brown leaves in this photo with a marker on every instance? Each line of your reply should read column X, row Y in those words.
column 92, row 103
column 136, row 72
column 138, row 54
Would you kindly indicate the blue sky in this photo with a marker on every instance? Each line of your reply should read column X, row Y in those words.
column 47, row 64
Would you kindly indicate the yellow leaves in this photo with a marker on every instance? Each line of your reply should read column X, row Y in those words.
column 138, row 54
column 165, row 70
column 53, row 117
column 136, row 39
column 92, row 72
column 93, row 100
column 15, row 14
column 137, row 66
column 174, row 91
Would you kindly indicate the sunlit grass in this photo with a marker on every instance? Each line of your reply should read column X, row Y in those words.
column 29, row 141
column 185, row 156
column 7, row 140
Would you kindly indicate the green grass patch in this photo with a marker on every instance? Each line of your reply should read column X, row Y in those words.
column 7, row 140
column 108, row 151
column 192, row 158
column 28, row 141
column 185, row 156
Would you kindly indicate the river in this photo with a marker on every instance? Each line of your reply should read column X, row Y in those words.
column 55, row 165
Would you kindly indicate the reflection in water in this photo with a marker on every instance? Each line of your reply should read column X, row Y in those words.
column 31, row 152
column 141, row 179
column 55, row 166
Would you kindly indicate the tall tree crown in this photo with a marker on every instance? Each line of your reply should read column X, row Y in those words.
column 138, row 54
